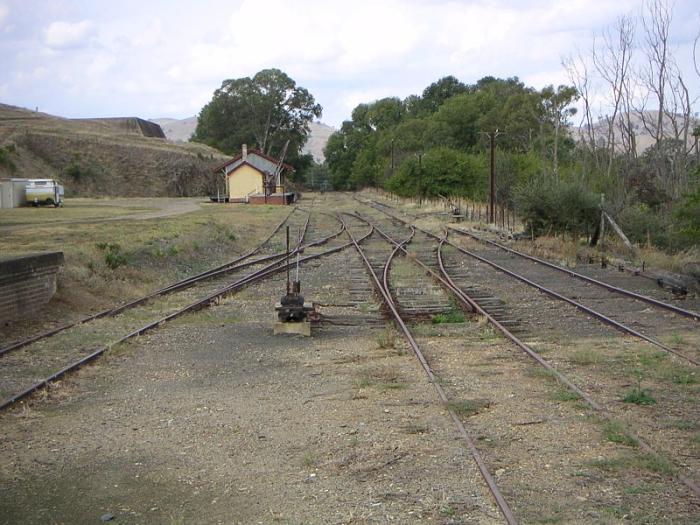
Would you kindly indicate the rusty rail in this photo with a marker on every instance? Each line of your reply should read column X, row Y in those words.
column 388, row 300
column 645, row 298
column 223, row 269
column 211, row 299
column 464, row 297
column 601, row 317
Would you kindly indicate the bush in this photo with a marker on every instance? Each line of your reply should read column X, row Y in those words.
column 687, row 219
column 550, row 205
column 443, row 171
column 78, row 173
column 113, row 256
column 640, row 223
column 5, row 160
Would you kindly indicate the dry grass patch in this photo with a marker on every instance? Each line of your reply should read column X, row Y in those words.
column 469, row 407
column 381, row 378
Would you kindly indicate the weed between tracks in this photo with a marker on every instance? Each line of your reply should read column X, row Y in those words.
column 614, row 431
column 658, row 464
column 469, row 407
column 382, row 379
column 639, row 396
column 453, row 316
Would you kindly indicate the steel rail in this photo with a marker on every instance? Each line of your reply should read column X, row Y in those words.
column 472, row 305
column 180, row 285
column 385, row 276
column 645, row 298
column 603, row 411
column 601, row 317
column 488, row 478
column 590, row 401
column 211, row 299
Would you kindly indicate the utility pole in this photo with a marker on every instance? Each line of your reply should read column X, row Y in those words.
column 420, row 179
column 492, row 181
column 392, row 157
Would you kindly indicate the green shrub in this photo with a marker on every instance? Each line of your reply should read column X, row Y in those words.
column 639, row 396
column 441, row 171
column 687, row 220
column 5, row 159
column 78, row 173
column 453, row 316
column 549, row 205
column 640, row 223
column 113, row 256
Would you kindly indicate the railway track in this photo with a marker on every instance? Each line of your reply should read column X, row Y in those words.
column 621, row 309
column 378, row 262
column 685, row 312
column 686, row 468
column 35, row 363
column 531, row 418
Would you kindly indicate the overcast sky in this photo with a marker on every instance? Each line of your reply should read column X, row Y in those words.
column 164, row 58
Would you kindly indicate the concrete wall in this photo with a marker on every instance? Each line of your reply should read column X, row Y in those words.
column 27, row 283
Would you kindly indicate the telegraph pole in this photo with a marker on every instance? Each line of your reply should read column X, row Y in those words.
column 420, row 179
column 492, row 181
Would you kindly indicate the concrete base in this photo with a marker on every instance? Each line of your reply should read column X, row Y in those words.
column 303, row 328
column 27, row 282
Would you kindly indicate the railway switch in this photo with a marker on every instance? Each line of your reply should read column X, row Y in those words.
column 293, row 313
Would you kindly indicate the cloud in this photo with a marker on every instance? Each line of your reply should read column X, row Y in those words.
column 135, row 56
column 67, row 35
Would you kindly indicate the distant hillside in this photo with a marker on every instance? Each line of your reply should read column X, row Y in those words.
column 181, row 131
column 110, row 156
column 317, row 140
column 637, row 119
column 177, row 130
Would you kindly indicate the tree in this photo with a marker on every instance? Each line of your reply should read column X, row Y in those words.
column 441, row 90
column 557, row 111
column 267, row 110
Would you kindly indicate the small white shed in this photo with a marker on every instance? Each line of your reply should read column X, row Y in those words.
column 12, row 192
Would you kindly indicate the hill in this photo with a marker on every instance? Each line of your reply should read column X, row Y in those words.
column 637, row 119
column 181, row 131
column 111, row 156
column 177, row 130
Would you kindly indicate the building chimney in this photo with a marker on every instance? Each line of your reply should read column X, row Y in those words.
column 244, row 152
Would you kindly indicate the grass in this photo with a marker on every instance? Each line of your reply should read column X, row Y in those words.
column 586, row 357
column 387, row 338
column 488, row 333
column 415, row 428
column 653, row 463
column 468, row 407
column 564, row 394
column 446, row 510
column 541, row 372
column 639, row 396
column 453, row 316
column 684, row 424
column 111, row 261
column 614, row 432
column 308, row 460
column 381, row 378
column 642, row 488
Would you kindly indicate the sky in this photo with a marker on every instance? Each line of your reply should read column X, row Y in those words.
column 165, row 58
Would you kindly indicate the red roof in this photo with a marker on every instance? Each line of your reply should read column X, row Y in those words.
column 258, row 153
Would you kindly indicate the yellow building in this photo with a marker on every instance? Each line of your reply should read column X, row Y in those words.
column 255, row 177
